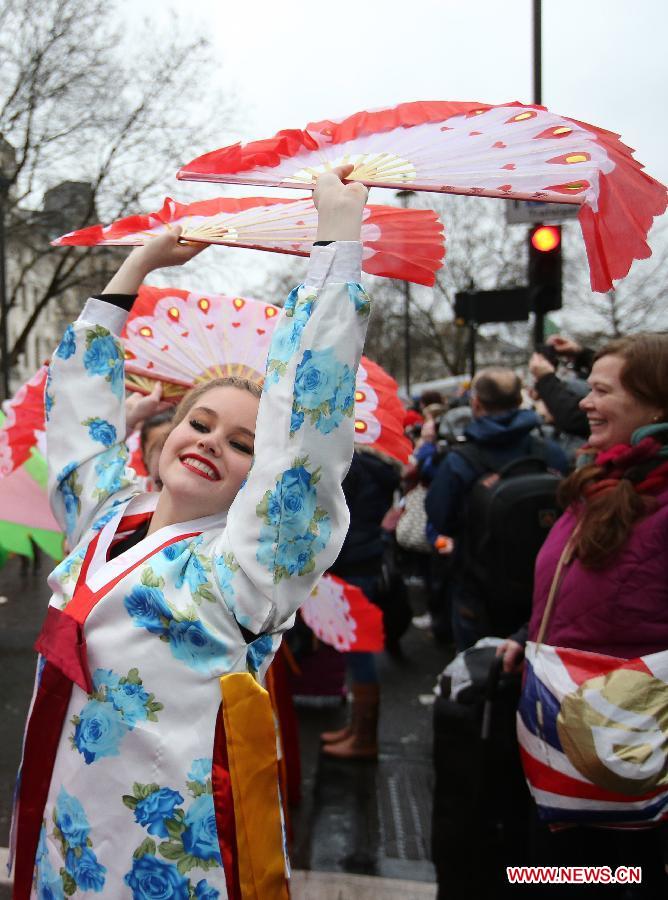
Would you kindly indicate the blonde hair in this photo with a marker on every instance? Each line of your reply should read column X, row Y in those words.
column 190, row 399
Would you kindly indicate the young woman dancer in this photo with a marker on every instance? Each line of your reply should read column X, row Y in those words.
column 149, row 762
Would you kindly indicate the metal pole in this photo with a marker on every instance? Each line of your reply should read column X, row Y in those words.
column 539, row 316
column 537, row 53
column 4, row 337
column 473, row 333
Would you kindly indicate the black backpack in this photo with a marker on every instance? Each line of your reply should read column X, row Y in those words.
column 508, row 514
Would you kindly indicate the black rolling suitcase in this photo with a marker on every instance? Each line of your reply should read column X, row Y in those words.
column 481, row 801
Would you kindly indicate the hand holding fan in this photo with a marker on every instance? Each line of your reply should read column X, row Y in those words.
column 510, row 150
column 398, row 243
column 182, row 339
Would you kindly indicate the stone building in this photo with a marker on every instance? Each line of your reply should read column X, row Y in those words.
column 34, row 269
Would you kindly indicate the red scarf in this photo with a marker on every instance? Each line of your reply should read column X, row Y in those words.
column 641, row 464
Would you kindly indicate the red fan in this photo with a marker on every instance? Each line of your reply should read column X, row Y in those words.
column 340, row 615
column 183, row 338
column 24, row 423
column 398, row 243
column 180, row 339
column 511, row 150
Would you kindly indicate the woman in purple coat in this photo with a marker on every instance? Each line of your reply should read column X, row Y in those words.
column 612, row 597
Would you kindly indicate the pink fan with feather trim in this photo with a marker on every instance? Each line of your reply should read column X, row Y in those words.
column 340, row 614
column 510, row 150
column 24, row 424
column 398, row 243
column 182, row 339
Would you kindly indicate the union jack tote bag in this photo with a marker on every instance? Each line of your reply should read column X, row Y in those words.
column 593, row 733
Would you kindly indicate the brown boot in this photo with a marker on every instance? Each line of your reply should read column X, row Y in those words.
column 362, row 741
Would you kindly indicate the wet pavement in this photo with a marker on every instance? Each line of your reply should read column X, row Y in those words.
column 362, row 818
column 374, row 818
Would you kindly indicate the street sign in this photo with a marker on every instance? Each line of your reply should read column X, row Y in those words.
column 480, row 307
column 528, row 212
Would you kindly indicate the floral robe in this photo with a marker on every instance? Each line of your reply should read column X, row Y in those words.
column 127, row 787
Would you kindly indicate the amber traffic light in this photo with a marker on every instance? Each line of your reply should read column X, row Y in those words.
column 545, row 268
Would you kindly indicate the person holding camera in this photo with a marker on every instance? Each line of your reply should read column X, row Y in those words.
column 562, row 398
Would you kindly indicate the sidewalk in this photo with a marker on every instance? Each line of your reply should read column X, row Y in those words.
column 374, row 819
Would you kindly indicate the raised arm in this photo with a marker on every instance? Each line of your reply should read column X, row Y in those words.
column 85, row 397
column 288, row 522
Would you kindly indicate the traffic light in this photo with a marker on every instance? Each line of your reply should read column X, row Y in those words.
column 545, row 268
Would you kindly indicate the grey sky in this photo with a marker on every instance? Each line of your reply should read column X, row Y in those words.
column 295, row 61
column 291, row 62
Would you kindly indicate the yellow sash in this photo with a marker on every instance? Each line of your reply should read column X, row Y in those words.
column 251, row 751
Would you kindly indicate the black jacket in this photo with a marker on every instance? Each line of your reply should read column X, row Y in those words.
column 369, row 491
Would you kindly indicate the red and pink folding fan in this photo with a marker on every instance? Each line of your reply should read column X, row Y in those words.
column 339, row 614
column 398, row 243
column 183, row 338
column 23, row 424
column 511, row 150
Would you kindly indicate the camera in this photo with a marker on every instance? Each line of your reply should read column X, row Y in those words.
column 550, row 354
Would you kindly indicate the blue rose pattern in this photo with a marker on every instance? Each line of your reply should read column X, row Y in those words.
column 324, row 391
column 193, row 574
column 153, row 811
column 81, row 870
column 131, row 701
column 113, row 709
column 70, row 489
column 149, row 609
column 191, row 836
column 204, row 891
column 86, row 871
column 200, row 770
column 104, row 356
column 200, row 838
column 225, row 567
column 287, row 336
column 98, row 731
column 110, row 471
column 68, row 344
column 48, row 400
column 295, row 529
column 257, row 652
column 359, row 298
column 191, row 643
column 71, row 819
column 107, row 516
column 68, row 570
column 48, row 883
column 188, row 639
column 193, row 571
column 153, row 879
column 101, row 431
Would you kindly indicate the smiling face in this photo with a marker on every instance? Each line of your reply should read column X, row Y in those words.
column 209, row 453
column 613, row 412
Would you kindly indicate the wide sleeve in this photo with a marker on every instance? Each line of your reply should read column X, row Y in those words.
column 85, row 431
column 288, row 522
